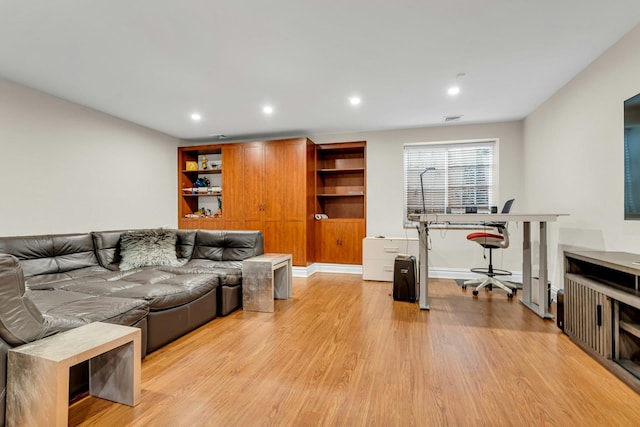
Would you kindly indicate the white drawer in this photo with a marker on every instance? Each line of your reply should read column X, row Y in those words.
column 384, row 248
column 379, row 255
column 378, row 269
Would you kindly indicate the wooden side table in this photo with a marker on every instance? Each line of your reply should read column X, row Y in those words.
column 38, row 372
column 265, row 278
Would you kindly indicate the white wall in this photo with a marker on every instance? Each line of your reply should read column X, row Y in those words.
column 574, row 156
column 66, row 168
column 385, row 185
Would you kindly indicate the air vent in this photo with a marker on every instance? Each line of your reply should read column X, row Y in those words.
column 448, row 119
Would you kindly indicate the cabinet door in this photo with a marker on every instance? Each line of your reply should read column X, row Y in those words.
column 294, row 241
column 588, row 317
column 329, row 250
column 351, row 235
column 276, row 181
column 232, row 187
column 272, row 232
column 341, row 241
column 252, row 176
column 295, row 175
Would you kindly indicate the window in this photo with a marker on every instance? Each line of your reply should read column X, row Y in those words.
column 454, row 175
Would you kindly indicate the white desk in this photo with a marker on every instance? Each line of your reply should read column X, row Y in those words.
column 541, row 309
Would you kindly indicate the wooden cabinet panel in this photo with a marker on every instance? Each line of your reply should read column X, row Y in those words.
column 232, row 186
column 295, row 193
column 340, row 241
column 211, row 223
column 189, row 223
column 252, row 180
column 267, row 186
column 275, row 179
column 294, row 240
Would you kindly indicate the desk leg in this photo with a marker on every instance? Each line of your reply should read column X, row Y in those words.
column 423, row 236
column 543, row 295
column 526, row 264
column 543, row 298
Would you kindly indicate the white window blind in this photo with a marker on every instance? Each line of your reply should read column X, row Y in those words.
column 462, row 175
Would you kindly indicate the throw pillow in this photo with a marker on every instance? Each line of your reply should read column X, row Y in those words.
column 141, row 248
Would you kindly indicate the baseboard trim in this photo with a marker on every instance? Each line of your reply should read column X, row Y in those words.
column 319, row 267
column 434, row 273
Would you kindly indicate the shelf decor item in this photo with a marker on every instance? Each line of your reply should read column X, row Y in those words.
column 202, row 182
column 191, row 166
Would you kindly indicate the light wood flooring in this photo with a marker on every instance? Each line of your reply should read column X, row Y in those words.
column 343, row 353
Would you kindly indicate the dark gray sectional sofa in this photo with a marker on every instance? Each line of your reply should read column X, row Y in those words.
column 52, row 283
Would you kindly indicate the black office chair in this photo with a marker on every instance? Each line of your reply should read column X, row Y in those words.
column 491, row 241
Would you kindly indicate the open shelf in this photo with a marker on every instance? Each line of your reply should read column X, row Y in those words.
column 342, row 170
column 190, row 203
column 632, row 328
column 202, row 195
column 203, row 171
column 361, row 194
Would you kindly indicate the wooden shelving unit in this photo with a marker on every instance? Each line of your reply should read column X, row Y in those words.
column 190, row 203
column 266, row 185
column 341, row 195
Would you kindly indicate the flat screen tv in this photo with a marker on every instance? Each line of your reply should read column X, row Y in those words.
column 632, row 158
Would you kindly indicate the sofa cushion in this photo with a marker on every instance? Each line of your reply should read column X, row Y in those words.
column 66, row 310
column 20, row 320
column 229, row 272
column 48, row 281
column 185, row 241
column 142, row 248
column 48, row 254
column 161, row 289
column 107, row 246
column 219, row 245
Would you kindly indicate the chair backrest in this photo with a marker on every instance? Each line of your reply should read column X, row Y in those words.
column 507, row 206
column 502, row 226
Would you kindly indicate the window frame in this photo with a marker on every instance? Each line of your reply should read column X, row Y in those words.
column 493, row 197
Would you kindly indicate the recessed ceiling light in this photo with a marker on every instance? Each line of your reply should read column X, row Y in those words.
column 453, row 90
column 268, row 109
column 196, row 117
column 354, row 100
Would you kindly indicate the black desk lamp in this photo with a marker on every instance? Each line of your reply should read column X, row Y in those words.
column 427, row 169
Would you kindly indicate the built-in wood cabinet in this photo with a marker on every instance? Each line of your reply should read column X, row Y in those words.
column 265, row 186
column 602, row 309
column 275, row 191
column 341, row 196
column 340, row 241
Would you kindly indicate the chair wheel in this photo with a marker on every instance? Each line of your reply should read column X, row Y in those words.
column 464, row 287
column 475, row 293
column 509, row 295
column 515, row 291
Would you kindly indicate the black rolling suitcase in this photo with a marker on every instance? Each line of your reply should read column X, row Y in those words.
column 405, row 287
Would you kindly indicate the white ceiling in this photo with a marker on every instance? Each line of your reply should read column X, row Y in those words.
column 154, row 62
